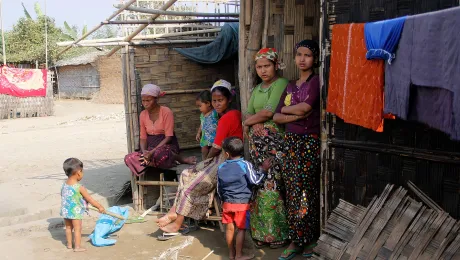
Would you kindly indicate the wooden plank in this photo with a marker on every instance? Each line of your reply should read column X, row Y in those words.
column 157, row 183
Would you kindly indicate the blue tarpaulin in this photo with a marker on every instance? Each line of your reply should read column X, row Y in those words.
column 107, row 225
column 222, row 48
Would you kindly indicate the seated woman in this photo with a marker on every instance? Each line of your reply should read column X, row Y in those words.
column 198, row 183
column 159, row 146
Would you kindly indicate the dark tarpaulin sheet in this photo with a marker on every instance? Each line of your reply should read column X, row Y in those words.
column 222, row 48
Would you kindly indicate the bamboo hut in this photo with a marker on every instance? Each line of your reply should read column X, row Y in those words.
column 357, row 163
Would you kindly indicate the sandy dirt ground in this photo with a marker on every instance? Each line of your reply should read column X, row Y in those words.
column 32, row 151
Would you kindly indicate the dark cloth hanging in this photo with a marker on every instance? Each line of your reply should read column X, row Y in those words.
column 223, row 47
column 428, row 56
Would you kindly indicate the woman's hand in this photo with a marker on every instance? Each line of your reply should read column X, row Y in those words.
column 258, row 130
column 267, row 164
column 246, row 131
column 198, row 137
column 101, row 209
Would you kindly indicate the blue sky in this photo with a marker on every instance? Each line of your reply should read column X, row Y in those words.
column 75, row 12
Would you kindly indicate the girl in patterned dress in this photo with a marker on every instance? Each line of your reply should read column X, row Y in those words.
column 74, row 202
column 208, row 122
column 299, row 112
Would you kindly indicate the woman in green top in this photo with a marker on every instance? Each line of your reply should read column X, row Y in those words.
column 268, row 216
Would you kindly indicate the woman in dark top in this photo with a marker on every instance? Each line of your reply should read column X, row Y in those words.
column 299, row 111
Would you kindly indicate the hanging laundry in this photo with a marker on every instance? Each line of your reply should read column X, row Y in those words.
column 355, row 91
column 382, row 38
column 23, row 82
column 428, row 56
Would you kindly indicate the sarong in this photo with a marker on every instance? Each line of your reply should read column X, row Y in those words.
column 301, row 174
column 197, row 186
column 355, row 91
column 268, row 214
column 163, row 157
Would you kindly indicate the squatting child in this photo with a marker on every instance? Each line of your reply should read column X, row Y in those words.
column 235, row 177
column 74, row 202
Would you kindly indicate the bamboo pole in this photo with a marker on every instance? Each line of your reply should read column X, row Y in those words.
column 142, row 27
column 254, row 42
column 267, row 15
column 147, row 42
column 145, row 37
column 247, row 12
column 3, row 33
column 175, row 13
column 173, row 21
column 122, row 8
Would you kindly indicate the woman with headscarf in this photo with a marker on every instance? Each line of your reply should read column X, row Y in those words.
column 198, row 183
column 268, row 215
column 299, row 112
column 158, row 143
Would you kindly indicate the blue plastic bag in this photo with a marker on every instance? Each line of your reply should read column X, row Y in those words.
column 107, row 225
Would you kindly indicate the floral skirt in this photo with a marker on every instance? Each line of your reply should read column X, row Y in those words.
column 268, row 214
column 301, row 170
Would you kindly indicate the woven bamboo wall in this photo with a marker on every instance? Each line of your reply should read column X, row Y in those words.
column 291, row 21
column 81, row 81
column 179, row 76
column 110, row 80
column 361, row 161
column 16, row 107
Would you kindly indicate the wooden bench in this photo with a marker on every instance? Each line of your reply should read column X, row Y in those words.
column 168, row 191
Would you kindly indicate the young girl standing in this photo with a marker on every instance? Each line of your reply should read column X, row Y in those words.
column 74, row 201
column 208, row 119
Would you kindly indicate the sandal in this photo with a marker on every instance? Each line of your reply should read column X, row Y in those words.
column 276, row 245
column 291, row 253
column 259, row 244
column 311, row 246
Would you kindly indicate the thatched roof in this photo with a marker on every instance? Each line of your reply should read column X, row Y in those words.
column 80, row 60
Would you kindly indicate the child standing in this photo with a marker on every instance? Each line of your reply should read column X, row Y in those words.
column 74, row 201
column 208, row 119
column 235, row 176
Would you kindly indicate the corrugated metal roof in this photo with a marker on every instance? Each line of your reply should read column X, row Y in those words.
column 80, row 60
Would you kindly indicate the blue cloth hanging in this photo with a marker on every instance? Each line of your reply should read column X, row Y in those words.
column 382, row 38
column 107, row 225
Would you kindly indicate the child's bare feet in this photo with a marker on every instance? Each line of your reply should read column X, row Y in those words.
column 69, row 246
column 79, row 249
column 244, row 257
column 231, row 254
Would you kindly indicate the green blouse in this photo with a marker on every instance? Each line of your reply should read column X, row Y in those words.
column 267, row 98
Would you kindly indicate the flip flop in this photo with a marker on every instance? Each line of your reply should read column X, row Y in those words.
column 277, row 245
column 184, row 230
column 291, row 253
column 308, row 255
column 168, row 236
column 259, row 244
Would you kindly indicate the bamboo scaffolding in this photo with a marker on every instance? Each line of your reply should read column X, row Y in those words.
column 145, row 37
column 142, row 27
column 122, row 8
column 175, row 13
column 136, row 43
column 173, row 21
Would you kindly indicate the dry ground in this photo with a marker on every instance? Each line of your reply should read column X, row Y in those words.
column 31, row 154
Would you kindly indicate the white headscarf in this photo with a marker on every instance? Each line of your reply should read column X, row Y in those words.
column 152, row 90
column 222, row 83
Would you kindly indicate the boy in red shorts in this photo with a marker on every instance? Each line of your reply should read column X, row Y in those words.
column 235, row 177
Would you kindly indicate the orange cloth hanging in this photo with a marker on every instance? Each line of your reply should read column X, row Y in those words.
column 356, row 84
